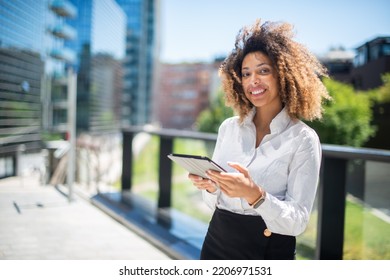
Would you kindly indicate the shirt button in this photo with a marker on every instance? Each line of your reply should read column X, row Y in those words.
column 267, row 232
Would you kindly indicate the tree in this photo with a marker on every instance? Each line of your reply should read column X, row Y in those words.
column 381, row 115
column 347, row 118
column 210, row 119
column 382, row 94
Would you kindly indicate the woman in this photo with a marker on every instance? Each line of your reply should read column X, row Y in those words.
column 272, row 158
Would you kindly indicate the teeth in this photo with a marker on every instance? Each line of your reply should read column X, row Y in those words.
column 258, row 91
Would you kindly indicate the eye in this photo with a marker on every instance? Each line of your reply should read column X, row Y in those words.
column 264, row 71
column 245, row 74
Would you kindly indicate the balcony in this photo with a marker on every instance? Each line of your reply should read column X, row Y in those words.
column 63, row 54
column 63, row 8
column 63, row 31
column 347, row 174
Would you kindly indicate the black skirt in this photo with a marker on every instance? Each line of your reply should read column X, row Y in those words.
column 232, row 236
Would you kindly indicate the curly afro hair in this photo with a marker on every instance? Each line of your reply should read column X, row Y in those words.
column 299, row 72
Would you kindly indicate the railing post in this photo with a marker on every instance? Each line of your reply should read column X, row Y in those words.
column 331, row 209
column 165, row 172
column 14, row 164
column 127, row 160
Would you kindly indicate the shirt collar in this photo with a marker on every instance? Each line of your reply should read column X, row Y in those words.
column 278, row 124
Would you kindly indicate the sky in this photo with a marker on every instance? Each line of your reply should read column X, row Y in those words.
column 200, row 30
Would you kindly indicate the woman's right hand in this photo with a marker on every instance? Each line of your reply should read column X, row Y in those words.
column 203, row 183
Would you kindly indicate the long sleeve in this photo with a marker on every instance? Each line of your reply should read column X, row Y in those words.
column 291, row 215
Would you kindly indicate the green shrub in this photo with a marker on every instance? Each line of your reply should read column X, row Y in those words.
column 347, row 118
column 210, row 119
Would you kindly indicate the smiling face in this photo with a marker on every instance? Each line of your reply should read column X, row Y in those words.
column 260, row 81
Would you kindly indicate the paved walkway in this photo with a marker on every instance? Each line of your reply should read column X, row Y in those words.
column 38, row 222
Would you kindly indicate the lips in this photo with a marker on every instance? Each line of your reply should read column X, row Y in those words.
column 257, row 91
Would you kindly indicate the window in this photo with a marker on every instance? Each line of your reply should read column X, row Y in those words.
column 386, row 49
column 374, row 52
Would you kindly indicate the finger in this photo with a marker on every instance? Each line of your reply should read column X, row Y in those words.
column 197, row 183
column 215, row 174
column 195, row 178
column 202, row 182
column 222, row 187
column 206, row 185
column 225, row 189
column 223, row 178
column 239, row 168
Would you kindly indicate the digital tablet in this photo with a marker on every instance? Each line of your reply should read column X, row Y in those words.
column 197, row 165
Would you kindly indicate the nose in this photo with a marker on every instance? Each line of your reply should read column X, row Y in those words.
column 254, row 79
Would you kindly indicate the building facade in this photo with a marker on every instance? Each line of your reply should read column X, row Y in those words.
column 21, row 70
column 184, row 93
column 31, row 59
column 140, row 61
column 101, row 27
column 339, row 63
column 371, row 61
column 55, row 79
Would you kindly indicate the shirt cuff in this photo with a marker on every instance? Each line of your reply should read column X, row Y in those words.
column 217, row 191
column 268, row 209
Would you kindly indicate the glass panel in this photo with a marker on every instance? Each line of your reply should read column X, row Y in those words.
column 9, row 166
column 146, row 149
column 185, row 197
column 306, row 242
column 3, row 171
column 367, row 222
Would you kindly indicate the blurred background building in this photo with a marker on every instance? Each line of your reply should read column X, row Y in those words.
column 100, row 49
column 40, row 41
column 339, row 63
column 184, row 93
column 361, row 68
column 32, row 71
column 372, row 59
column 142, row 46
column 55, row 80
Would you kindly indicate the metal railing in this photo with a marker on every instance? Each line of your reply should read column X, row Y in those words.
column 331, row 193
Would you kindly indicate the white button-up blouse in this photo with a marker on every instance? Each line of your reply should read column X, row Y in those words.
column 286, row 165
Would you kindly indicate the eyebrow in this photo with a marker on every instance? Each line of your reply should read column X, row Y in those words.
column 257, row 66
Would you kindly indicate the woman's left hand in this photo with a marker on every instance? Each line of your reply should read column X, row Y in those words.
column 236, row 184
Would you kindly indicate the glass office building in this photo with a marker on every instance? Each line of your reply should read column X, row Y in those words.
column 55, row 80
column 31, row 59
column 21, row 69
column 139, row 64
column 100, row 48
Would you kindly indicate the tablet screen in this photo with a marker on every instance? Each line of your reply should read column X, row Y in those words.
column 197, row 165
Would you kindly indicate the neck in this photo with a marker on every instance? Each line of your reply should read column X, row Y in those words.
column 264, row 116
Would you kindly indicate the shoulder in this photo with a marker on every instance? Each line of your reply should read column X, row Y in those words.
column 306, row 136
column 229, row 123
column 305, row 129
